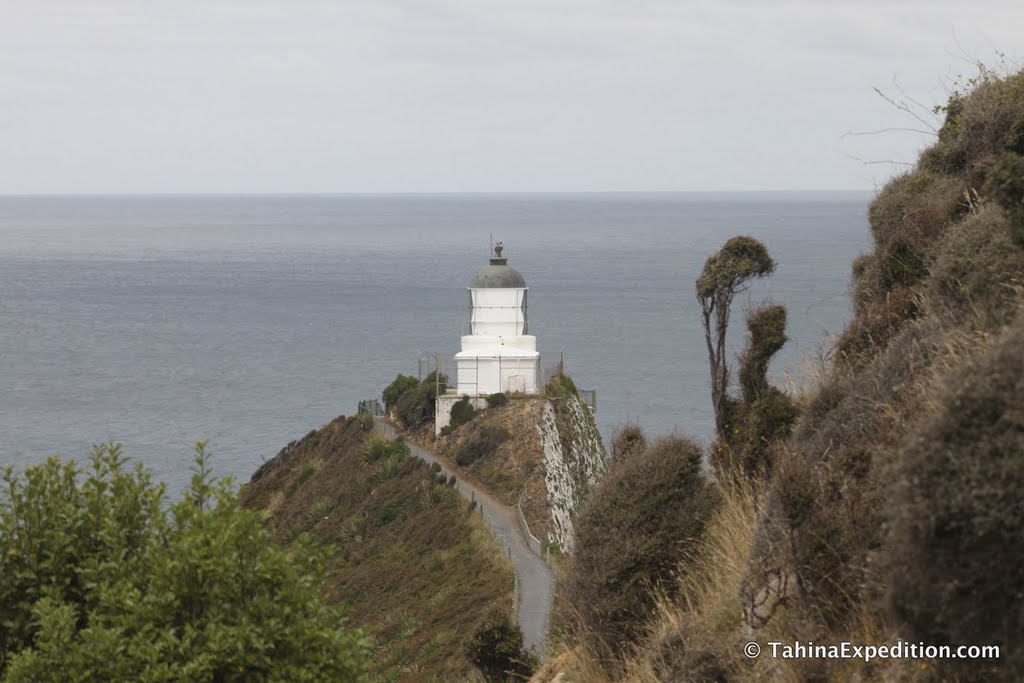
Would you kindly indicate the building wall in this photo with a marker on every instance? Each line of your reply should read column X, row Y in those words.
column 483, row 375
column 443, row 410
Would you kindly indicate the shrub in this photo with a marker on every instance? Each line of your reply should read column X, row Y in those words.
column 1005, row 185
column 392, row 463
column 901, row 264
column 388, row 512
column 112, row 584
column 767, row 335
column 982, row 124
column 378, row 448
column 496, row 649
column 482, row 443
column 394, row 391
column 375, row 447
column 640, row 526
column 305, row 475
column 976, row 271
column 462, row 412
column 365, row 422
column 875, row 325
column 497, row 400
column 417, row 404
column 628, row 441
column 561, row 386
column 757, row 428
column 452, row 480
column 915, row 208
column 958, row 514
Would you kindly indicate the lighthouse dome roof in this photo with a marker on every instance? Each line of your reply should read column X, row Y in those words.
column 498, row 275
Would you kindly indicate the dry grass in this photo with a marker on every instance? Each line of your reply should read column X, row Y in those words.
column 512, row 472
column 703, row 627
column 703, row 632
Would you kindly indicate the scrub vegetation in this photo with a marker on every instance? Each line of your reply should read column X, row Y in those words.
column 407, row 557
column 882, row 503
column 103, row 581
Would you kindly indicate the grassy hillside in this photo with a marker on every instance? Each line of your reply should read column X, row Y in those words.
column 895, row 508
column 508, row 448
column 409, row 561
column 494, row 450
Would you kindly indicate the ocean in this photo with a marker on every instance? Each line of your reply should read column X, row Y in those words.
column 250, row 320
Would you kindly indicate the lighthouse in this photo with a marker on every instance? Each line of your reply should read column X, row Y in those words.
column 498, row 355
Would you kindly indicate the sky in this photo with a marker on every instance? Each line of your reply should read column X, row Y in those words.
column 367, row 96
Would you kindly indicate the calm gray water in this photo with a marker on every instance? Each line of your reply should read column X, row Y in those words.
column 249, row 320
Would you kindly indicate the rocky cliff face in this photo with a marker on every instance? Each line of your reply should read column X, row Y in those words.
column 573, row 459
column 543, row 453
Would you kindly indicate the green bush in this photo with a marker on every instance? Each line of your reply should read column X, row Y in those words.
column 392, row 463
column 394, row 391
column 497, row 400
column 462, row 412
column 102, row 581
column 375, row 447
column 561, row 386
column 417, row 405
column 378, row 448
column 639, row 528
column 496, row 649
column 480, row 444
column 366, row 422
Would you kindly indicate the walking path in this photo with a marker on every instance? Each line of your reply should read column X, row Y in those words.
column 536, row 583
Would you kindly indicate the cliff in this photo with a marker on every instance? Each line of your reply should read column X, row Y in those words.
column 543, row 453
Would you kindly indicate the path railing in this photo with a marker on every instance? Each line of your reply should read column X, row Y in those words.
column 539, row 548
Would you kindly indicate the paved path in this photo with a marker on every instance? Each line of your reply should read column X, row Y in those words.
column 536, row 584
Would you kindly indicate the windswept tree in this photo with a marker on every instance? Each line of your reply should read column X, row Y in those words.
column 726, row 274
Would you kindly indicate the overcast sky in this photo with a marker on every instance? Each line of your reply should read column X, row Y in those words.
column 473, row 95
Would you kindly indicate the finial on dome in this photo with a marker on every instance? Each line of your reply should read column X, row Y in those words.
column 497, row 259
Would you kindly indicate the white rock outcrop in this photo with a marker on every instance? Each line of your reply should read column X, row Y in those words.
column 574, row 459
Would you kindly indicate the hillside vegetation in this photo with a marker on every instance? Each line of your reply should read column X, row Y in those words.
column 885, row 500
column 102, row 580
column 411, row 563
column 541, row 452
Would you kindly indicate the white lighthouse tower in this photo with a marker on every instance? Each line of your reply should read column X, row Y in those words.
column 498, row 354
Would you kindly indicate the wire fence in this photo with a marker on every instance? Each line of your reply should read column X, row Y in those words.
column 538, row 547
column 370, row 406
